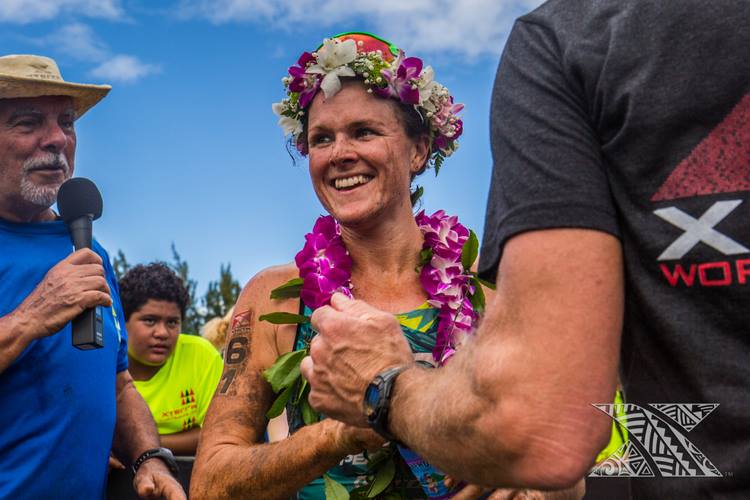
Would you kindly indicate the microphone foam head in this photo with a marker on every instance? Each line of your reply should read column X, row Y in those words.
column 78, row 197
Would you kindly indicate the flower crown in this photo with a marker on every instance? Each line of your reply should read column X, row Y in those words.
column 387, row 73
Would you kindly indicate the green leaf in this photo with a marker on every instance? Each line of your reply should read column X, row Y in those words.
column 309, row 416
column 280, row 403
column 425, row 256
column 383, row 479
column 438, row 159
column 285, row 370
column 358, row 493
column 416, row 195
column 334, row 490
column 282, row 318
column 374, row 460
column 470, row 251
column 477, row 299
column 288, row 290
column 302, row 392
column 486, row 283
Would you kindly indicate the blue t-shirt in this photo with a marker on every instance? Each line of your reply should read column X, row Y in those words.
column 57, row 403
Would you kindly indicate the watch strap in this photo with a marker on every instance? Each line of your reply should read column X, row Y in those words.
column 384, row 382
column 165, row 454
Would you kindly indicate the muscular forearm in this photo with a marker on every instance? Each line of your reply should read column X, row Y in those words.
column 521, row 391
column 135, row 431
column 505, row 441
column 448, row 434
column 14, row 338
column 275, row 470
column 181, row 443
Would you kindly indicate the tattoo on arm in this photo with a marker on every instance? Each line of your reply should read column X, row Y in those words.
column 226, row 379
column 238, row 349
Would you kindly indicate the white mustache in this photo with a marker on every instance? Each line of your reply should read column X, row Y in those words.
column 50, row 160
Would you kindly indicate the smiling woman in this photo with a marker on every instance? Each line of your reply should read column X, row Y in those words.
column 362, row 167
column 370, row 120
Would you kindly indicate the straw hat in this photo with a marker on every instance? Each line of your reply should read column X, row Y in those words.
column 37, row 76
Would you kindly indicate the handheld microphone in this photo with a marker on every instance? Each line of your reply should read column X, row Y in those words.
column 80, row 203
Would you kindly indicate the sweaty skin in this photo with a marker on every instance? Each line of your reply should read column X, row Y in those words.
column 232, row 460
column 520, row 392
column 352, row 136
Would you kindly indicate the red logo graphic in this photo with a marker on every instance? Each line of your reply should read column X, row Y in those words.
column 720, row 163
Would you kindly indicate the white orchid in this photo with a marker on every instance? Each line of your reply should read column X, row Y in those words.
column 335, row 53
column 426, row 84
column 332, row 62
column 288, row 125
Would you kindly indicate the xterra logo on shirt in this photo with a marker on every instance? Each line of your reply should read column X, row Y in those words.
column 719, row 164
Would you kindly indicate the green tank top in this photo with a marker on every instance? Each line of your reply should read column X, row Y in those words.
column 420, row 328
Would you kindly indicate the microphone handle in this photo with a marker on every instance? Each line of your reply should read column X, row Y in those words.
column 80, row 232
column 88, row 329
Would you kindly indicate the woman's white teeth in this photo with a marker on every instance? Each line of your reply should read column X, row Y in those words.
column 351, row 181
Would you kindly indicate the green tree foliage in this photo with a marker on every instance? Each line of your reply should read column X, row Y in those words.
column 193, row 318
column 221, row 294
column 120, row 265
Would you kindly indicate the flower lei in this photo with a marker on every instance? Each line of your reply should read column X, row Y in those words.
column 401, row 78
column 448, row 251
column 324, row 264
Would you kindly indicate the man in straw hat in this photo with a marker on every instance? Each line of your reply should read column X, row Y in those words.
column 60, row 406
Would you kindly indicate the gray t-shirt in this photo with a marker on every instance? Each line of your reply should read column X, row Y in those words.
column 632, row 117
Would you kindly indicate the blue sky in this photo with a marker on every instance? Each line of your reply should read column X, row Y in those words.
column 185, row 149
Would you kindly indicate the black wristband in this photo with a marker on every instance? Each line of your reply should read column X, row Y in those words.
column 377, row 401
column 165, row 454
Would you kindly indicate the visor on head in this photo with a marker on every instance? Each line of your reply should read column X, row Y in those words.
column 370, row 43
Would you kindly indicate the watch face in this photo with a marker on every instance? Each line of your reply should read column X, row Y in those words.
column 372, row 396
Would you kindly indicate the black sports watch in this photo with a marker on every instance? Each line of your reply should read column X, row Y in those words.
column 377, row 400
column 164, row 453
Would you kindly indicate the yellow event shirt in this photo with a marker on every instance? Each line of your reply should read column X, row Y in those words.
column 180, row 392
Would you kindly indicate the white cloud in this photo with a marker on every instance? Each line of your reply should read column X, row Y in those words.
column 79, row 41
column 467, row 27
column 123, row 69
column 27, row 11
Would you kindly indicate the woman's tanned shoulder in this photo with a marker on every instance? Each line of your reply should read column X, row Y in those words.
column 257, row 291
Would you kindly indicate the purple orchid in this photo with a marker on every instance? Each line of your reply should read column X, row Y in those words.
column 324, row 264
column 304, row 83
column 402, row 85
column 326, row 267
column 445, row 280
column 447, row 125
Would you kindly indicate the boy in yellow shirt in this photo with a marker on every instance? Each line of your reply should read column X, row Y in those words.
column 175, row 373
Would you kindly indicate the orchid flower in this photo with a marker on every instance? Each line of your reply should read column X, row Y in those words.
column 403, row 84
column 332, row 62
column 326, row 267
column 288, row 125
